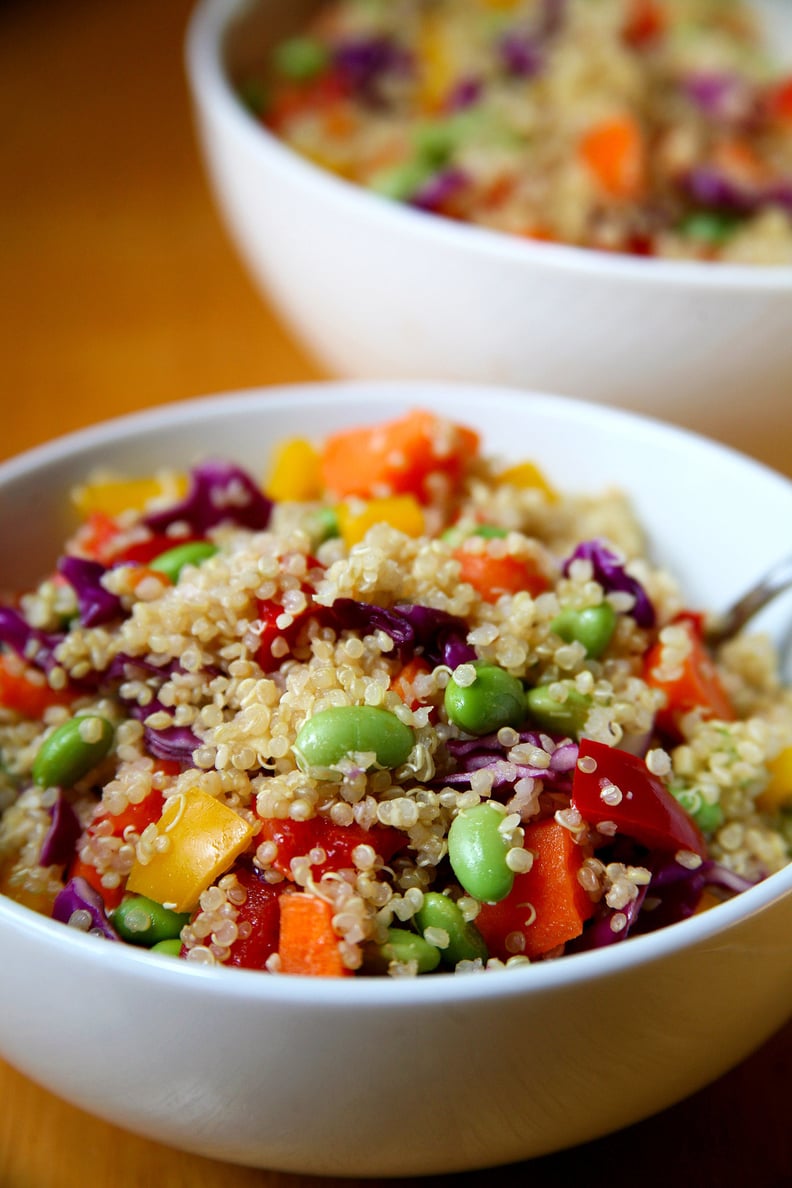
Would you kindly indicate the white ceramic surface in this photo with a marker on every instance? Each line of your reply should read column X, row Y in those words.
column 378, row 1077
column 376, row 289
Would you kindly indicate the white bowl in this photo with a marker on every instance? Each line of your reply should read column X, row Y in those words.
column 378, row 1077
column 377, row 289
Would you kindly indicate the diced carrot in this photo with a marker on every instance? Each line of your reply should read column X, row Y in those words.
column 614, row 152
column 738, row 157
column 95, row 536
column 646, row 21
column 397, row 457
column 37, row 901
column 112, row 896
column 404, row 680
column 695, row 683
column 308, row 942
column 493, row 576
column 547, row 905
column 25, row 690
column 780, row 102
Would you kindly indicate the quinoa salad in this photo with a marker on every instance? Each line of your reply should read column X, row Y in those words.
column 393, row 707
column 650, row 127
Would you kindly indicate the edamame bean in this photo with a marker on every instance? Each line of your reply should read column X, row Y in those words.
column 707, row 816
column 171, row 948
column 465, row 942
column 477, row 851
column 404, row 946
column 72, row 750
column 142, row 921
column 491, row 532
column 333, row 734
column 301, row 58
column 567, row 716
column 593, row 627
column 712, row 228
column 322, row 525
column 173, row 561
column 494, row 699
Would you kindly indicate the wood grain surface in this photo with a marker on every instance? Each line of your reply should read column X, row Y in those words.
column 120, row 291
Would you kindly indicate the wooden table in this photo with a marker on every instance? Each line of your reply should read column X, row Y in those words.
column 120, row 291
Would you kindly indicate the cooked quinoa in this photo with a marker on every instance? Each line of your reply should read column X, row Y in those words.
column 517, row 696
column 651, row 127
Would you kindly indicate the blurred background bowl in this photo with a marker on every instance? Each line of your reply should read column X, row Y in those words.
column 374, row 288
column 379, row 1077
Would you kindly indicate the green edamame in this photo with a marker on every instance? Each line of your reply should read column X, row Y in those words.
column 707, row 816
column 494, row 699
column 333, row 734
column 170, row 948
column 143, row 921
column 465, row 942
column 593, row 627
column 567, row 716
column 72, row 750
column 712, row 228
column 477, row 851
column 404, row 947
column 173, row 561
column 322, row 524
column 301, row 58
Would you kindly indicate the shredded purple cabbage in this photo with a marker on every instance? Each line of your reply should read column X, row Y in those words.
column 610, row 573
column 96, row 604
column 715, row 190
column 675, row 890
column 219, row 493
column 521, row 54
column 79, row 896
column 172, row 742
column 58, row 846
column 32, row 645
column 363, row 61
column 723, row 97
column 488, row 754
column 464, row 94
column 433, row 195
column 435, row 634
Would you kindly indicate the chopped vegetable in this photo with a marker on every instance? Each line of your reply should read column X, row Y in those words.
column 611, row 787
column 308, row 942
column 689, row 680
column 614, row 152
column 547, row 905
column 494, row 575
column 204, row 838
column 397, row 458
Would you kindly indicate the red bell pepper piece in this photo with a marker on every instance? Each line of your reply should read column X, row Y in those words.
column 295, row 839
column 646, row 811
column 262, row 912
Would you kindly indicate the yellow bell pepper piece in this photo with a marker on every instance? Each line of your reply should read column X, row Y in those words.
column 527, row 475
column 402, row 512
column 438, row 67
column 778, row 793
column 294, row 472
column 205, row 837
column 115, row 495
